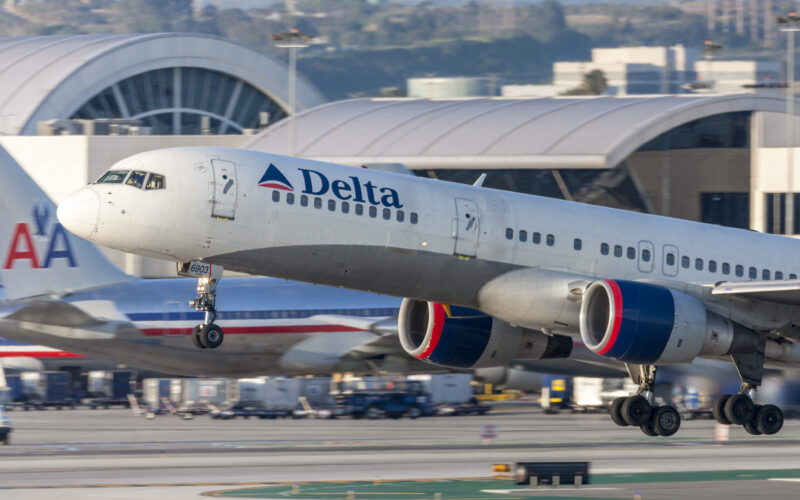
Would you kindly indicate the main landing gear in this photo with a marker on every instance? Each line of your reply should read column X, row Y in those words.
column 206, row 335
column 638, row 411
column 739, row 409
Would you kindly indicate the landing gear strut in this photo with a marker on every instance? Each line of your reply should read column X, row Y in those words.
column 739, row 408
column 638, row 411
column 206, row 335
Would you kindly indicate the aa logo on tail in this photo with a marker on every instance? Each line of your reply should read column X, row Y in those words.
column 273, row 178
column 23, row 248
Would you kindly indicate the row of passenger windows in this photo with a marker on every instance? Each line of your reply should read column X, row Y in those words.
column 135, row 178
column 646, row 256
column 699, row 264
column 536, row 238
column 344, row 207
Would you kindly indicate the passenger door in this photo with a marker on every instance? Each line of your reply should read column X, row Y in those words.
column 467, row 228
column 225, row 189
column 670, row 260
column 646, row 257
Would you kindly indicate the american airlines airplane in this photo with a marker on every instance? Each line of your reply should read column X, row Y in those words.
column 641, row 289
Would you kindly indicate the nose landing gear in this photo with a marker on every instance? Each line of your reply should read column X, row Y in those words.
column 206, row 335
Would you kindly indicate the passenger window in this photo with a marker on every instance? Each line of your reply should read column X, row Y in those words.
column 113, row 177
column 537, row 238
column 276, row 195
column 604, row 248
column 317, row 202
column 373, row 212
column 304, row 200
column 698, row 264
column 331, row 205
column 726, row 268
column 752, row 273
column 136, row 179
column 631, row 253
column 670, row 259
column 617, row 250
column 712, row 266
column 523, row 236
column 387, row 214
column 290, row 198
column 551, row 240
column 739, row 270
column 685, row 261
column 345, row 207
column 155, row 181
column 778, row 275
column 359, row 209
column 509, row 233
column 577, row 244
column 401, row 216
column 765, row 274
column 646, row 255
column 413, row 217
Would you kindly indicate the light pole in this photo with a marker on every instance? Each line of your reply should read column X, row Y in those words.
column 292, row 40
column 709, row 49
column 789, row 24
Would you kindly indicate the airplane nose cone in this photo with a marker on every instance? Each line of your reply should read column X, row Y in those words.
column 79, row 212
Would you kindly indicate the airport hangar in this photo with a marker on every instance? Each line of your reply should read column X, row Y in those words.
column 70, row 106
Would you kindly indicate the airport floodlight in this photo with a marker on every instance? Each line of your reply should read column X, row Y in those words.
column 789, row 24
column 292, row 40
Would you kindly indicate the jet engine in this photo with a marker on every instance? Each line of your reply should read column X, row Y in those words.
column 466, row 338
column 649, row 324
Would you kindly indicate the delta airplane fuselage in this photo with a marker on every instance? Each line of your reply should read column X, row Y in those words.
column 402, row 235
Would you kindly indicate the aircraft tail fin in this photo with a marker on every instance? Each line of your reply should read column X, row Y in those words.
column 37, row 255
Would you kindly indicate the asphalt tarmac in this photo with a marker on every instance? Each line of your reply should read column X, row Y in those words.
column 112, row 454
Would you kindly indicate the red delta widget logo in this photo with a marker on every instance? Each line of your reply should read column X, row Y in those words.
column 22, row 247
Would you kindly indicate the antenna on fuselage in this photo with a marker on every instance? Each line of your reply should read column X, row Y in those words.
column 478, row 183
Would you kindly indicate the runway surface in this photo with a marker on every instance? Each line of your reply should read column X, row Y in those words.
column 114, row 454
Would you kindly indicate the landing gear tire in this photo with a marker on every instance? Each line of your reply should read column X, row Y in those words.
column 719, row 410
column 666, row 421
column 739, row 409
column 616, row 412
column 196, row 337
column 769, row 419
column 750, row 427
column 636, row 411
column 211, row 336
column 648, row 430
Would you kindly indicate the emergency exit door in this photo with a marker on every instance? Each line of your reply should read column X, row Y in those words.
column 225, row 189
column 467, row 225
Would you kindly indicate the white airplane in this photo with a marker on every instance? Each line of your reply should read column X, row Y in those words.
column 642, row 289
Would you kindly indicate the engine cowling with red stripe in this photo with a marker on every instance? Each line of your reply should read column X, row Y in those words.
column 466, row 338
column 642, row 323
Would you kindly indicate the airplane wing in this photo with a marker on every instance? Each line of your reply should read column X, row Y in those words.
column 782, row 292
column 387, row 341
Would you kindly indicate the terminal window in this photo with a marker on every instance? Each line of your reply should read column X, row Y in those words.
column 726, row 209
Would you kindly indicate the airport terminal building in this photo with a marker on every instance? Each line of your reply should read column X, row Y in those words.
column 71, row 106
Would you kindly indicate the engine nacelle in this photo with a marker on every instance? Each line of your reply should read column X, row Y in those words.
column 648, row 324
column 467, row 338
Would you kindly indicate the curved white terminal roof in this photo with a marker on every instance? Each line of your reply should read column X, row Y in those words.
column 558, row 132
column 48, row 77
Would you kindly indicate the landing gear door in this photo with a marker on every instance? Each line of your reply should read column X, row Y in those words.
column 467, row 227
column 225, row 189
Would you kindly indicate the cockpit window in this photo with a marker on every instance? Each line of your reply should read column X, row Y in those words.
column 136, row 179
column 156, row 181
column 113, row 177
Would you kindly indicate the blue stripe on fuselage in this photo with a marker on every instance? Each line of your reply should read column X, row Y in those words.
column 268, row 314
column 648, row 316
